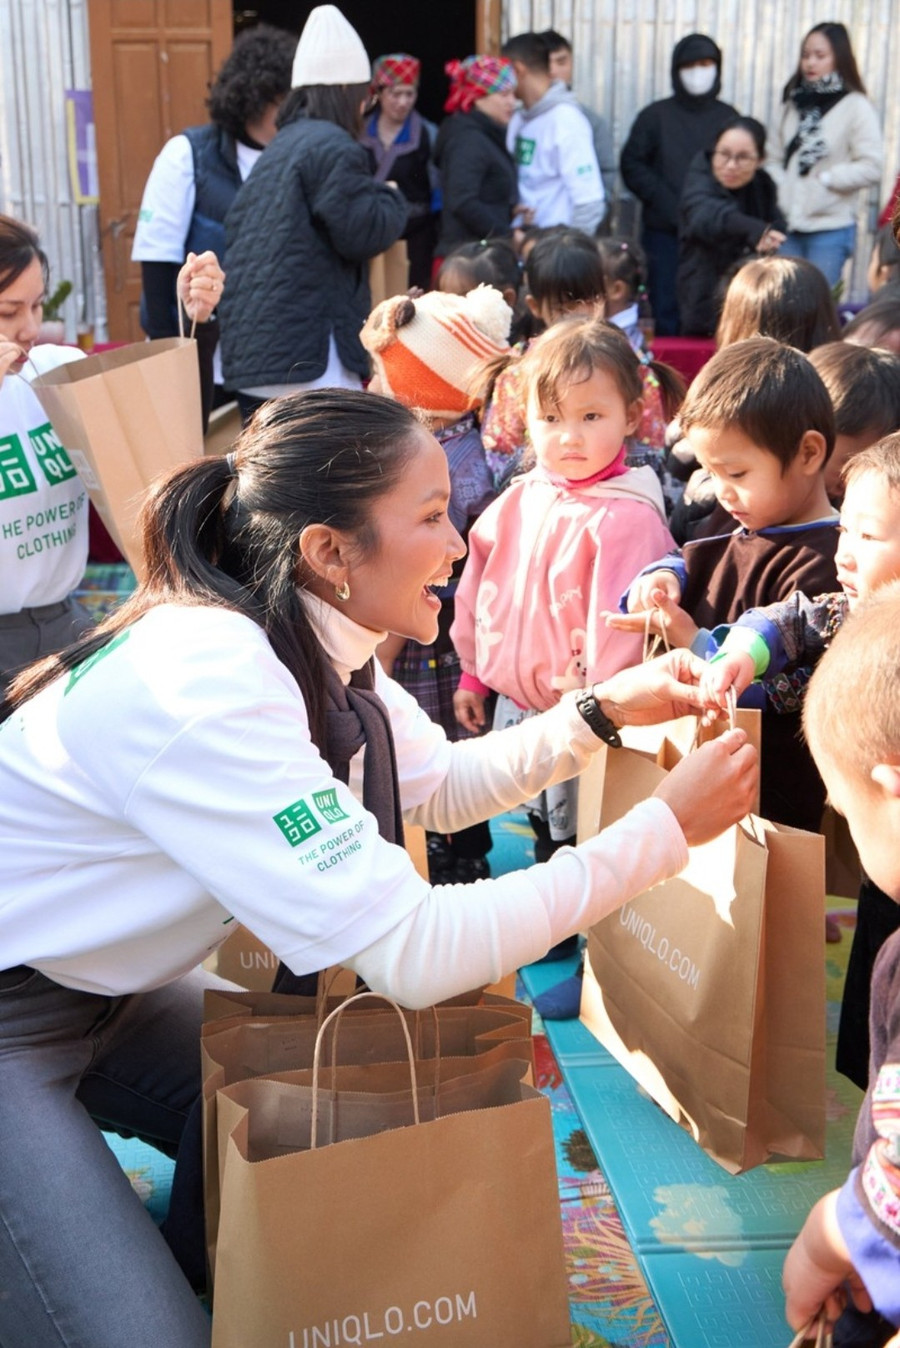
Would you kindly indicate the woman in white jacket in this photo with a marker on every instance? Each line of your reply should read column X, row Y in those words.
column 826, row 147
column 234, row 692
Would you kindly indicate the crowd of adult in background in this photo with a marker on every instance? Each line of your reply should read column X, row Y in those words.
column 516, row 151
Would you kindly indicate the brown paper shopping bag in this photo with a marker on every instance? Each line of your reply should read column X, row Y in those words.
column 250, row 1035
column 429, row 1213
column 709, row 988
column 125, row 416
column 389, row 273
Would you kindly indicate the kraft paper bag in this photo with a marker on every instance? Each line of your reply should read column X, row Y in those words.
column 125, row 416
column 389, row 273
column 251, row 1035
column 442, row 1231
column 709, row 988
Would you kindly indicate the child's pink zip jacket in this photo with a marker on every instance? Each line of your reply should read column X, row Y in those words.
column 546, row 560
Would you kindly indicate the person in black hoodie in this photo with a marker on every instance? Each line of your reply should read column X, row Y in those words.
column 729, row 210
column 478, row 174
column 665, row 137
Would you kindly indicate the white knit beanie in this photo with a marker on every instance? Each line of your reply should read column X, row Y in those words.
column 330, row 51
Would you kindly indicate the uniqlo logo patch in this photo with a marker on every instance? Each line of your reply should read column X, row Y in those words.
column 326, row 802
column 55, row 462
column 16, row 477
column 524, row 150
column 297, row 822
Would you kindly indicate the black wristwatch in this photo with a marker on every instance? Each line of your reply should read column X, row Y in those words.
column 591, row 711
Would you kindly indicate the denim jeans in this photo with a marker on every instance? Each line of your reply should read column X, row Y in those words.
column 82, row 1264
column 827, row 249
column 662, row 265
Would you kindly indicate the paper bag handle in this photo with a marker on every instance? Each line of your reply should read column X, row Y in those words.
column 819, row 1325
column 323, row 991
column 651, row 644
column 335, row 1015
column 321, row 997
column 181, row 320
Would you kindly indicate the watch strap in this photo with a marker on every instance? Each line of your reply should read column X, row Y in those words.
column 590, row 711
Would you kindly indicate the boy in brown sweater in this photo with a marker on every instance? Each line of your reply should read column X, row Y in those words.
column 760, row 421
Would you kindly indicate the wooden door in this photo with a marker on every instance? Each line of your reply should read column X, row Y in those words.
column 151, row 65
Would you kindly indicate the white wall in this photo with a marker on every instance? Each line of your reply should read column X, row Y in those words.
column 43, row 52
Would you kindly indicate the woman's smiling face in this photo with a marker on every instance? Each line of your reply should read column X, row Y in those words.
column 414, row 548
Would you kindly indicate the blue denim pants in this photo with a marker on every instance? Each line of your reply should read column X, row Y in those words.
column 82, row 1264
column 827, row 249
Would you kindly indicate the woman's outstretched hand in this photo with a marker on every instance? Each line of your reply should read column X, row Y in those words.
column 660, row 690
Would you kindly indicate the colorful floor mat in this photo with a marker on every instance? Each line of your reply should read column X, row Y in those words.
column 709, row 1245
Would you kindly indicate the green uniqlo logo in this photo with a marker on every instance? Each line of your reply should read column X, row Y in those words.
column 297, row 823
column 16, row 477
column 524, row 150
column 326, row 802
column 79, row 671
column 55, row 462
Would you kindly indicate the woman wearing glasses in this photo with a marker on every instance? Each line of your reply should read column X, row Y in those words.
column 729, row 210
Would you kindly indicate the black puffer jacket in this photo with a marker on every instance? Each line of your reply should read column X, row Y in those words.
column 717, row 228
column 666, row 135
column 478, row 179
column 300, row 235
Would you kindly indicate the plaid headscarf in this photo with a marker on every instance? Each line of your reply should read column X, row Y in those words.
column 476, row 76
column 397, row 68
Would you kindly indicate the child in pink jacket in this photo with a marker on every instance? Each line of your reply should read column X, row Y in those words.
column 552, row 553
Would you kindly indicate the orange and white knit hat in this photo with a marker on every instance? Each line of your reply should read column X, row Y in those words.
column 427, row 350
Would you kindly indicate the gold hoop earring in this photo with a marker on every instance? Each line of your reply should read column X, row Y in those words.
column 342, row 592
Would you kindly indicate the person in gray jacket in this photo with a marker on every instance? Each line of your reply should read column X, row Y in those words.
column 302, row 229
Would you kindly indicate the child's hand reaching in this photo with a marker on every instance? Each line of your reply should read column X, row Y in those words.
column 734, row 670
column 661, row 615
column 644, row 591
column 817, row 1271
column 468, row 707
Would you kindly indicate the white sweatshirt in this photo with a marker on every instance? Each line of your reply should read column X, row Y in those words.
column 553, row 145
column 169, row 785
column 43, row 501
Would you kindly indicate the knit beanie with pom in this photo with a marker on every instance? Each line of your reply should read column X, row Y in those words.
column 426, row 351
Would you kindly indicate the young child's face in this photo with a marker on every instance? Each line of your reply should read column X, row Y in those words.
column 749, row 481
column 584, row 433
column 868, row 552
